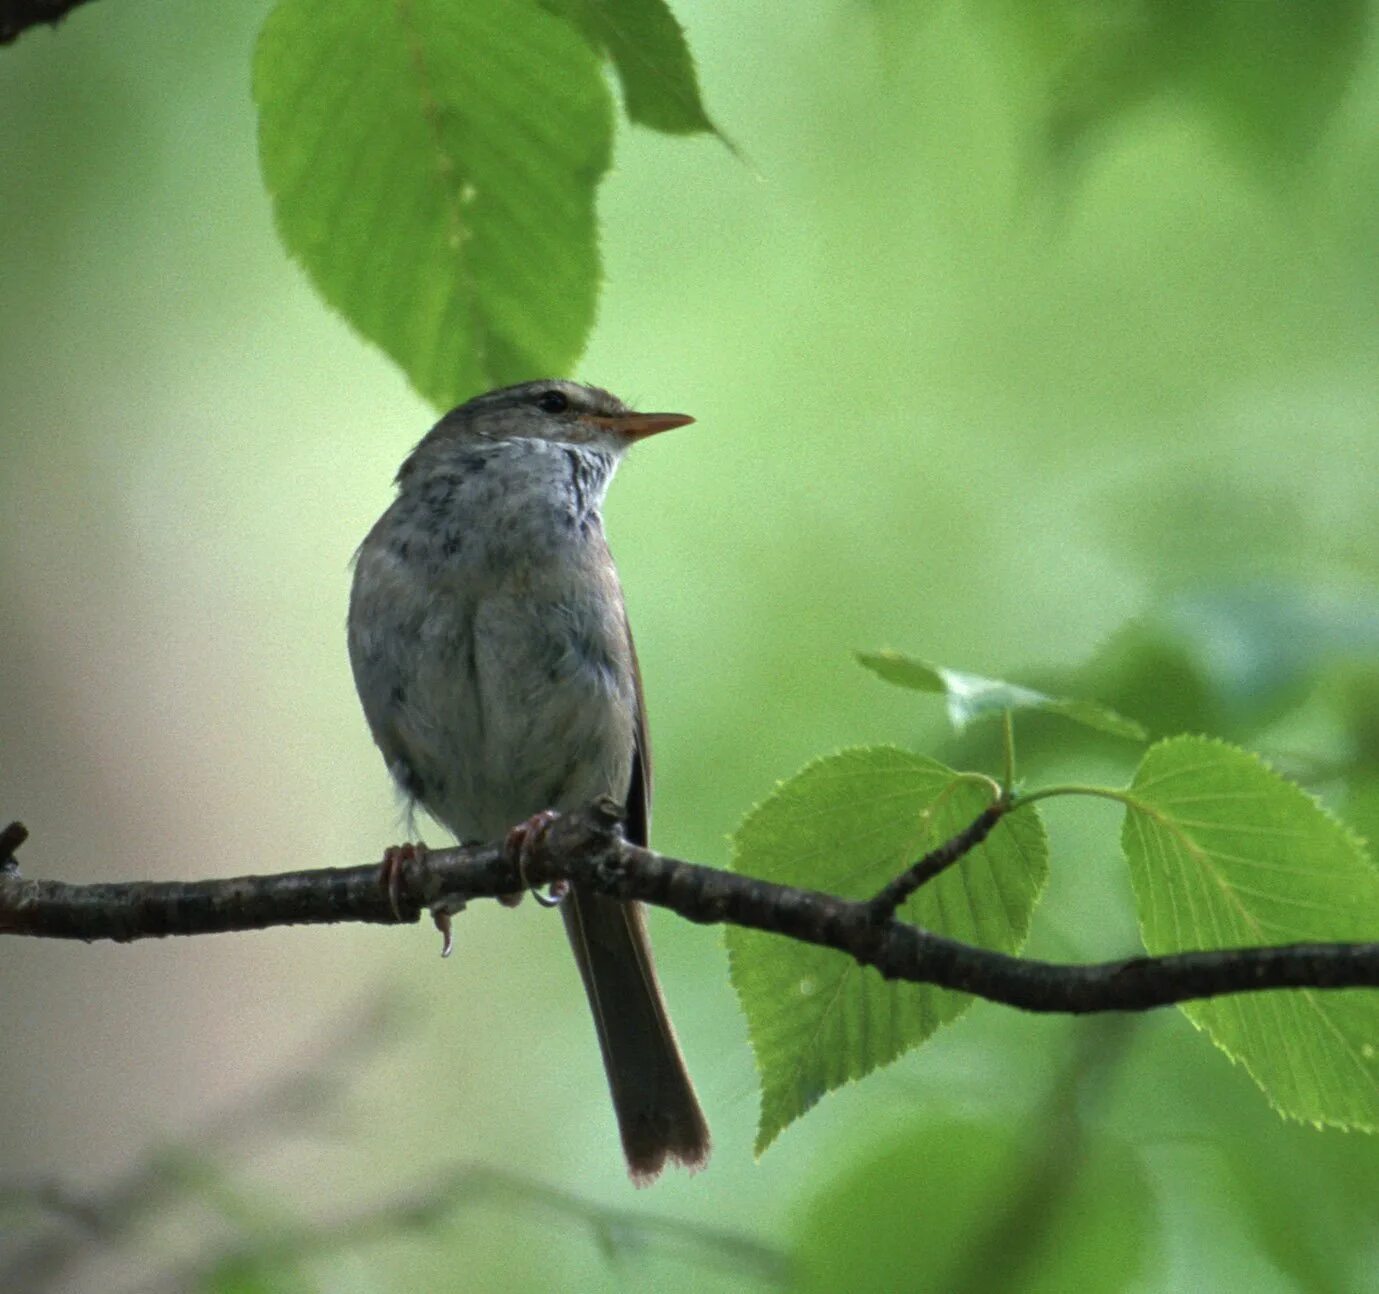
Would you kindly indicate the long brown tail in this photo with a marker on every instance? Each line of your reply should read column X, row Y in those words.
column 658, row 1114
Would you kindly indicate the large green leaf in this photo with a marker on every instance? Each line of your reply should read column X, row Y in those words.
column 433, row 166
column 970, row 696
column 846, row 825
column 651, row 57
column 1225, row 853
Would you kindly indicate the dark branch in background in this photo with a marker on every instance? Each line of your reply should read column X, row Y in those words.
column 618, row 1232
column 589, row 849
column 17, row 16
column 293, row 1104
column 1000, row 1250
column 10, row 839
column 308, row 1098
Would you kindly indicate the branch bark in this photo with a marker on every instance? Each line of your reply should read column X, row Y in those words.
column 17, row 16
column 588, row 849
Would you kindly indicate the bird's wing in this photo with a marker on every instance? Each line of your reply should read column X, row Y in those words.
column 639, row 791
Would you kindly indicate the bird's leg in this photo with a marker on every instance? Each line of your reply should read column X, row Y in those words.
column 390, row 873
column 521, row 840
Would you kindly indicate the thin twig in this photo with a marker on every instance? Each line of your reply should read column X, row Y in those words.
column 886, row 902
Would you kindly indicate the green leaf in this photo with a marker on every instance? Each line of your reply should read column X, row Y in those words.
column 1224, row 853
column 433, row 166
column 966, row 1205
column 970, row 696
column 1360, row 806
column 847, row 824
column 652, row 59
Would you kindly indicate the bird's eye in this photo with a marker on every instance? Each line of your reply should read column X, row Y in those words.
column 553, row 402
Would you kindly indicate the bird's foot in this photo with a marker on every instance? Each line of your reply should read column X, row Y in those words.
column 390, row 873
column 522, row 839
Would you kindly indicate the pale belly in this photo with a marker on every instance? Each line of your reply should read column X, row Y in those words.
column 512, row 705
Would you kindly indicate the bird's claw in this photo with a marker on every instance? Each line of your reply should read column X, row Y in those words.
column 390, row 873
column 441, row 916
column 554, row 896
column 522, row 839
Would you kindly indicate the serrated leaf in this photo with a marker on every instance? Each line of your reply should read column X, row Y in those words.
column 433, row 167
column 970, row 696
column 648, row 50
column 1225, row 853
column 1360, row 805
column 846, row 825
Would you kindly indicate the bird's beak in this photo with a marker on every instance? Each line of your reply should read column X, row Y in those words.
column 637, row 426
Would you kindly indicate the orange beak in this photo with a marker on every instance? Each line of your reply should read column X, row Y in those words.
column 637, row 426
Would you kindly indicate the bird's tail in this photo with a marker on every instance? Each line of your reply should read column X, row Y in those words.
column 658, row 1114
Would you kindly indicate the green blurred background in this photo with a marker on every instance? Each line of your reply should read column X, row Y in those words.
column 987, row 359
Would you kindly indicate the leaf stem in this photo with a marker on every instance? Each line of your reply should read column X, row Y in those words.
column 1008, row 750
column 981, row 779
column 1076, row 788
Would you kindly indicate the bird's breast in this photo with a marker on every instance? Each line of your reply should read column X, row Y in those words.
column 494, row 662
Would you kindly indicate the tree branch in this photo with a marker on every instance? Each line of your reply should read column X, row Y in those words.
column 17, row 16
column 588, row 849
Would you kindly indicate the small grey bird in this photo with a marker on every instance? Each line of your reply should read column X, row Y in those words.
column 492, row 654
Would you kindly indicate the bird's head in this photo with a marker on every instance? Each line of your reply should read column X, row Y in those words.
column 553, row 410
column 556, row 410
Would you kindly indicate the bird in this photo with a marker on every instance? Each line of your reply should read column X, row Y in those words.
column 491, row 651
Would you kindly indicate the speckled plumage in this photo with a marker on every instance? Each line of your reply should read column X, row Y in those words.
column 495, row 666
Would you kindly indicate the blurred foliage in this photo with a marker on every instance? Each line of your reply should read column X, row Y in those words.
column 933, row 1198
column 293, row 1253
column 250, row 1276
column 1286, row 668
column 1269, row 73
column 962, row 1204
column 256, row 1242
column 846, row 825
